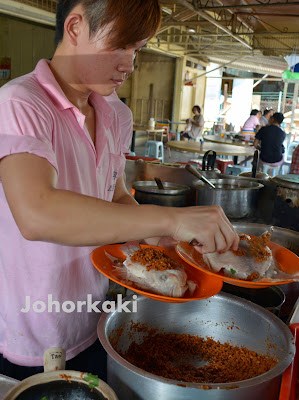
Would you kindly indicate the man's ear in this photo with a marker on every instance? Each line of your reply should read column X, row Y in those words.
column 73, row 26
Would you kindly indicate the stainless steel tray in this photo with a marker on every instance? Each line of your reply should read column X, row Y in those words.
column 6, row 383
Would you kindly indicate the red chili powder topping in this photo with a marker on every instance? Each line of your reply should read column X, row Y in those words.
column 257, row 247
column 194, row 359
column 154, row 259
column 66, row 377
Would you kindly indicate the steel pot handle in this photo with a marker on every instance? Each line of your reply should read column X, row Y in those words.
column 208, row 160
column 255, row 163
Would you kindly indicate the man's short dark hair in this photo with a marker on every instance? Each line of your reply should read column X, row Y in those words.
column 266, row 112
column 278, row 117
column 254, row 112
column 133, row 20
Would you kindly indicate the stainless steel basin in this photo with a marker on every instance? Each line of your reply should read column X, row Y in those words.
column 224, row 317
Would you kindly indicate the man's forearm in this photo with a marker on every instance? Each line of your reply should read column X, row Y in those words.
column 73, row 219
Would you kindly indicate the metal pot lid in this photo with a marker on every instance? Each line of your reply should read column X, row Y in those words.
column 231, row 184
column 289, row 181
column 151, row 187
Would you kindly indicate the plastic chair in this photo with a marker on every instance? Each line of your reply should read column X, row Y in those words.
column 154, row 149
column 223, row 164
column 270, row 169
column 169, row 135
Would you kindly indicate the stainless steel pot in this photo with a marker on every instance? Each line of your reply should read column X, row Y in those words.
column 237, row 197
column 223, row 317
column 174, row 195
column 286, row 203
column 259, row 175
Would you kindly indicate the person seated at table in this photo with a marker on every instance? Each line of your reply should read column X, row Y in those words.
column 265, row 118
column 251, row 125
column 194, row 128
column 269, row 140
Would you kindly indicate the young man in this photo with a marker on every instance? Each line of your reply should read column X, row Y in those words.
column 269, row 139
column 62, row 191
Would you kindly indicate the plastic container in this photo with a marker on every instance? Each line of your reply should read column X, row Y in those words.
column 151, row 123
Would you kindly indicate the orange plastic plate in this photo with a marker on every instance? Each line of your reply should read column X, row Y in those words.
column 207, row 286
column 287, row 262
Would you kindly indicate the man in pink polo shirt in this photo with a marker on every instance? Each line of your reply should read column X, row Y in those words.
column 62, row 191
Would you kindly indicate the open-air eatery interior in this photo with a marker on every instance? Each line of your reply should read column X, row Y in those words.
column 149, row 199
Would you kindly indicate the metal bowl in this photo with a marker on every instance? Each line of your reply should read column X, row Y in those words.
column 225, row 318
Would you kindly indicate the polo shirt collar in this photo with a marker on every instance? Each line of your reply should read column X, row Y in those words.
column 47, row 80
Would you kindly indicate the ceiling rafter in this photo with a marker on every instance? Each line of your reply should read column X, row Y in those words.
column 206, row 16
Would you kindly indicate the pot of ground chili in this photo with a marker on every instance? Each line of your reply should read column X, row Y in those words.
column 223, row 347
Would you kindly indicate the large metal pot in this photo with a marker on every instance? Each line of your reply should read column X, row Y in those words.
column 174, row 195
column 237, row 197
column 286, row 203
column 223, row 317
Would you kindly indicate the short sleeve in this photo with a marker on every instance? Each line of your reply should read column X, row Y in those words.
column 24, row 130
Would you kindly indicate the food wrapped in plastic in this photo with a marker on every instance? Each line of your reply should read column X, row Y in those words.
column 152, row 270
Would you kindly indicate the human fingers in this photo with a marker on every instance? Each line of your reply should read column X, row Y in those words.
column 215, row 233
column 231, row 236
column 213, row 243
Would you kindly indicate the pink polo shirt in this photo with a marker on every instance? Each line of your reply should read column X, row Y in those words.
column 251, row 123
column 125, row 118
column 37, row 118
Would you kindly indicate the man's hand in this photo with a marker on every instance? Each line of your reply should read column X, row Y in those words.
column 208, row 225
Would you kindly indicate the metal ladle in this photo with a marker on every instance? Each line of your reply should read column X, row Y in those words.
column 198, row 175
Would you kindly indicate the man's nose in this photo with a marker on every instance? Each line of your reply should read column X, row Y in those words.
column 127, row 64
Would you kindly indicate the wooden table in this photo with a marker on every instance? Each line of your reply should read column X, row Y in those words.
column 221, row 149
column 225, row 140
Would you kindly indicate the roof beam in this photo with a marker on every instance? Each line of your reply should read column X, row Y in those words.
column 206, row 16
column 235, row 7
